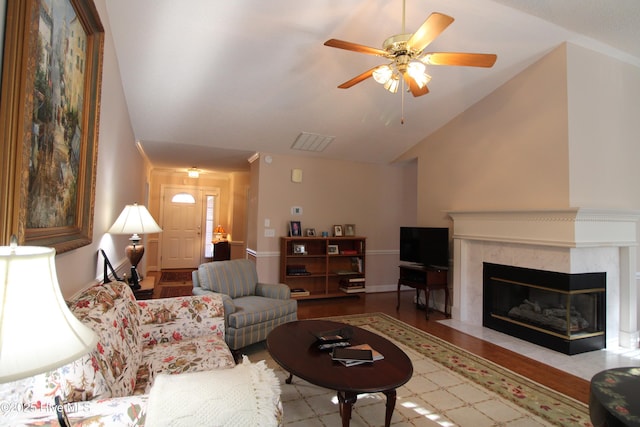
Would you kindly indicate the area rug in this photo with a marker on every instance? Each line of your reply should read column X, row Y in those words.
column 173, row 276
column 449, row 387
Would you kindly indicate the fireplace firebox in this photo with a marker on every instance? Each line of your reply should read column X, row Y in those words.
column 561, row 311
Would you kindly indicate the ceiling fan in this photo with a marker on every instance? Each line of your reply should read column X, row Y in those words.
column 408, row 58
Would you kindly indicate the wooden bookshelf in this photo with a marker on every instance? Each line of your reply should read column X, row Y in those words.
column 319, row 265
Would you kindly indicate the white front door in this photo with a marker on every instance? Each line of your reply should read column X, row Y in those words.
column 181, row 230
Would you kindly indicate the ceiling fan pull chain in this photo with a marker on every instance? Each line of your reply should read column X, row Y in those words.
column 402, row 100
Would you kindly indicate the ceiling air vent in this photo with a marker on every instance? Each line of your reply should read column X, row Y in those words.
column 312, row 142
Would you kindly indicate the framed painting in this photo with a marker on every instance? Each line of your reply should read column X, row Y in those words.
column 49, row 117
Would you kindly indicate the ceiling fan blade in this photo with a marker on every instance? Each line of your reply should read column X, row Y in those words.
column 413, row 86
column 461, row 59
column 357, row 79
column 341, row 44
column 435, row 24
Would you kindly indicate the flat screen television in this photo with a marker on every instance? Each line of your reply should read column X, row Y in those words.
column 428, row 246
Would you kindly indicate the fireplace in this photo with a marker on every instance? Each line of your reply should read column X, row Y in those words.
column 571, row 241
column 561, row 311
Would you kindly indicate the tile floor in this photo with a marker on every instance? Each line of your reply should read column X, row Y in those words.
column 434, row 397
column 583, row 365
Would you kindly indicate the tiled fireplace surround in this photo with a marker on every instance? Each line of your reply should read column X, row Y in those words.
column 568, row 241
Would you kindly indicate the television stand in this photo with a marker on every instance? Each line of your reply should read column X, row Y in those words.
column 426, row 278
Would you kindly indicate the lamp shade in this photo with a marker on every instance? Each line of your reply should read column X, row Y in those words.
column 38, row 332
column 135, row 219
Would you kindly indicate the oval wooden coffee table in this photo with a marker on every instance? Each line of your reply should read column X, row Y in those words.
column 293, row 346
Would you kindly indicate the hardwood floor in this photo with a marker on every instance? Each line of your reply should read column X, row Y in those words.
column 570, row 385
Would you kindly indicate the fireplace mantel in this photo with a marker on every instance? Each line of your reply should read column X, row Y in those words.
column 569, row 228
column 573, row 240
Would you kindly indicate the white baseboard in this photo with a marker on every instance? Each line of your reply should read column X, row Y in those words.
column 381, row 288
column 386, row 288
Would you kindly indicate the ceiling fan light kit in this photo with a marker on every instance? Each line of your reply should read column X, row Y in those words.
column 382, row 74
column 408, row 58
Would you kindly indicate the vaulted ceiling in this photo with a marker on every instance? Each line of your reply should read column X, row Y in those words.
column 208, row 83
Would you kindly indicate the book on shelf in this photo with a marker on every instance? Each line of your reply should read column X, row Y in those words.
column 349, row 252
column 297, row 270
column 299, row 292
column 352, row 280
column 356, row 264
column 345, row 272
column 352, row 285
column 352, row 289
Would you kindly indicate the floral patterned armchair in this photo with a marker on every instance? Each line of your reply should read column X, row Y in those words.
column 138, row 341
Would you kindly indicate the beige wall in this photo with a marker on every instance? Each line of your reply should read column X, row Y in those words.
column 376, row 198
column 120, row 178
column 252, row 213
column 604, row 130
column 508, row 151
column 238, row 207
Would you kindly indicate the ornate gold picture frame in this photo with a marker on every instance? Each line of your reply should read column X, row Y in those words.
column 49, row 118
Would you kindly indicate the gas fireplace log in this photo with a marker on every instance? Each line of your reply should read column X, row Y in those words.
column 527, row 312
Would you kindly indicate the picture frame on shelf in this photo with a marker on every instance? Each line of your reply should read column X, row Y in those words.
column 310, row 232
column 299, row 249
column 349, row 229
column 333, row 250
column 337, row 230
column 49, row 123
column 295, row 229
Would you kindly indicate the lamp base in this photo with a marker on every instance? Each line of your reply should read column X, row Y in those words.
column 134, row 253
column 134, row 280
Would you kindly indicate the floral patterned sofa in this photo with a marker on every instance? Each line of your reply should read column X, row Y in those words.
column 139, row 341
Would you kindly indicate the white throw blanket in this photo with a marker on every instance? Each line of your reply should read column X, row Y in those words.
column 246, row 395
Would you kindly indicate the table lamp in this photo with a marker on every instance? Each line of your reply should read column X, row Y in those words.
column 38, row 332
column 135, row 219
